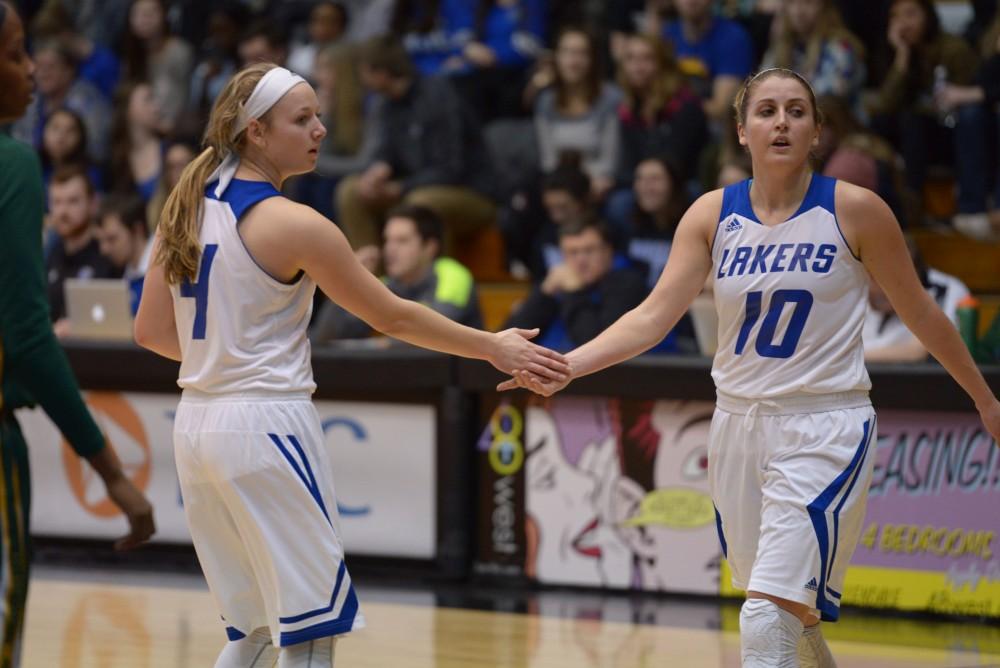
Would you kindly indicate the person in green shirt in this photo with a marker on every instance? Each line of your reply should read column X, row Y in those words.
column 414, row 270
column 33, row 368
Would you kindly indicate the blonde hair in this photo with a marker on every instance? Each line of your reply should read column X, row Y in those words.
column 829, row 27
column 180, row 223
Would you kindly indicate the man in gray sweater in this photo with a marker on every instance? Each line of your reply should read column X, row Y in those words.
column 431, row 153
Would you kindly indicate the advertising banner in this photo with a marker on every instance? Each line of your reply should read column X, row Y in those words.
column 930, row 538
column 615, row 494
column 500, row 458
column 384, row 458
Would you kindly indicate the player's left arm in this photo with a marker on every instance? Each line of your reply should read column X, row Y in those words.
column 155, row 327
column 875, row 235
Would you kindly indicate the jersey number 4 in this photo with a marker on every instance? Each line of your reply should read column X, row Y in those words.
column 199, row 291
column 802, row 300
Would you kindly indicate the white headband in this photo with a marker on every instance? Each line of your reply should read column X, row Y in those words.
column 271, row 88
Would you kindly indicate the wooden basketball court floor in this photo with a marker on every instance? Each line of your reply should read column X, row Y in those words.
column 105, row 620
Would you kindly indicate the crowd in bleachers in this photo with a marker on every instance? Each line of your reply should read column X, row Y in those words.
column 554, row 143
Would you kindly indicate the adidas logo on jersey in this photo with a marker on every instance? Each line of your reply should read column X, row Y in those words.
column 734, row 225
column 812, row 585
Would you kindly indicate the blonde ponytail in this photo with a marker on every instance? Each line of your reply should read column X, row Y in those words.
column 178, row 251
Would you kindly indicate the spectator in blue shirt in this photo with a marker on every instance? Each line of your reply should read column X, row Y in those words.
column 434, row 33
column 507, row 37
column 716, row 53
column 58, row 85
column 95, row 63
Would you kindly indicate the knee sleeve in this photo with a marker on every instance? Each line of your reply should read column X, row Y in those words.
column 769, row 636
column 813, row 650
column 313, row 654
column 252, row 651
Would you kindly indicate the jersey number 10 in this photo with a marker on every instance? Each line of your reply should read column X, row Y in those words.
column 199, row 291
column 765, row 345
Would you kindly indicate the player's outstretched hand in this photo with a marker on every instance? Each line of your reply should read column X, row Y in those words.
column 513, row 351
column 137, row 510
column 530, row 381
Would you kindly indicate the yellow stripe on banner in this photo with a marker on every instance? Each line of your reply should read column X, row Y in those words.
column 976, row 593
column 726, row 587
column 868, row 586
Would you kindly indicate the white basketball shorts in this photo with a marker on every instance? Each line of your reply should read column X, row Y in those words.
column 789, row 479
column 257, row 488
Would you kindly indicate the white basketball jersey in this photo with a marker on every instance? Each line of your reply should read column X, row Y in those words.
column 791, row 300
column 241, row 330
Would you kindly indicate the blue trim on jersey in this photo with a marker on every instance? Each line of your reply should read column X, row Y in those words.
column 819, row 193
column 833, row 210
column 306, row 476
column 825, row 195
column 241, row 195
column 234, row 634
column 730, row 197
column 341, row 572
column 843, row 499
column 343, row 623
column 741, row 200
column 830, row 611
column 335, row 627
column 722, row 536
column 309, row 472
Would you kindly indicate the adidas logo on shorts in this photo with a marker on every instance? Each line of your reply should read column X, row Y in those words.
column 733, row 225
column 812, row 585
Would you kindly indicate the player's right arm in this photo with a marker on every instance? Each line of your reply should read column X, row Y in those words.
column 644, row 326
column 155, row 328
column 318, row 247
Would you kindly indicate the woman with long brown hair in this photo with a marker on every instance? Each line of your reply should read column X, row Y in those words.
column 659, row 116
column 153, row 54
column 229, row 294
column 576, row 111
column 923, row 59
column 137, row 142
column 811, row 39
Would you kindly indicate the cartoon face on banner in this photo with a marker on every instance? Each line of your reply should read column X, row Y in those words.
column 617, row 495
column 669, row 521
column 569, row 489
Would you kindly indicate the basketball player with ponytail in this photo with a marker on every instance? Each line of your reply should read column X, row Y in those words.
column 792, row 443
column 229, row 295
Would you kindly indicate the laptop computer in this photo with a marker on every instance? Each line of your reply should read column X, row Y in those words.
column 98, row 308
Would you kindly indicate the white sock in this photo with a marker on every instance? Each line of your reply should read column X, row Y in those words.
column 813, row 650
column 313, row 654
column 769, row 636
column 252, row 651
